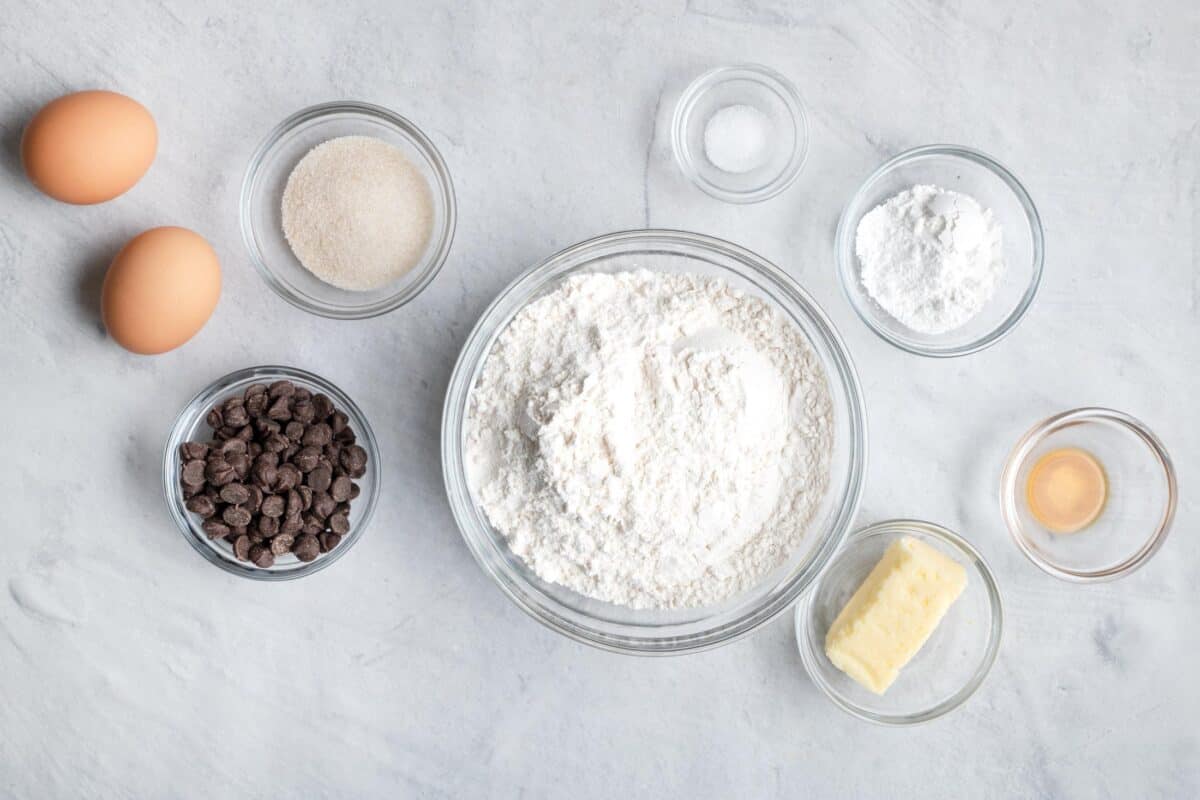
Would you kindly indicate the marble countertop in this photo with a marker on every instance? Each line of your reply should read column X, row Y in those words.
column 133, row 668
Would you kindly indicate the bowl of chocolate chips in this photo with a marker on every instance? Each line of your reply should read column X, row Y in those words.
column 271, row 473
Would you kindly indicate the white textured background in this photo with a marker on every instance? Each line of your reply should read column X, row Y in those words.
column 131, row 667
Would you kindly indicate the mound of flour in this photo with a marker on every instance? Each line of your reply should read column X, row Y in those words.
column 654, row 440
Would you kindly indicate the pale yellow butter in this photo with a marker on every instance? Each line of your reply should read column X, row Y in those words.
column 894, row 612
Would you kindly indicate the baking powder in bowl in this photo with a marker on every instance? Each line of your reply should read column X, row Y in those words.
column 651, row 439
column 931, row 257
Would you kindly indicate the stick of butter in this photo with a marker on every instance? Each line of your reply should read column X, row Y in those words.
column 894, row 612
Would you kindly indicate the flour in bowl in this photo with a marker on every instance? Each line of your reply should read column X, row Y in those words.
column 650, row 439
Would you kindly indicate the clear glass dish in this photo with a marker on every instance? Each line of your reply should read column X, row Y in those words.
column 983, row 178
column 191, row 426
column 1137, row 516
column 952, row 664
column 652, row 632
column 755, row 86
column 262, row 215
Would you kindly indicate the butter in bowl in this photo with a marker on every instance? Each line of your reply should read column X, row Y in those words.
column 904, row 624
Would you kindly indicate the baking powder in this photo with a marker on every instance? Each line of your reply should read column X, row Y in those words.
column 931, row 257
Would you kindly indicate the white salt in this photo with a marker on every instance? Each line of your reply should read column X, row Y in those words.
column 738, row 139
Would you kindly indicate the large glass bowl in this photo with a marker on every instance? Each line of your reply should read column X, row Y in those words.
column 658, row 632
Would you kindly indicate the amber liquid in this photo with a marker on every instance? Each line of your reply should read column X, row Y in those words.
column 1067, row 490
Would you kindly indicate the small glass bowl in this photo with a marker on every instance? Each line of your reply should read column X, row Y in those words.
column 1137, row 516
column 674, row 631
column 760, row 88
column 191, row 426
column 972, row 173
column 262, row 213
column 950, row 666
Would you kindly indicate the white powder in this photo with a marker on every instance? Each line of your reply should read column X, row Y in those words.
column 357, row 213
column 931, row 257
column 649, row 439
column 737, row 139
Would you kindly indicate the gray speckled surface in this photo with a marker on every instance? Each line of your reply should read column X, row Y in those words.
column 133, row 668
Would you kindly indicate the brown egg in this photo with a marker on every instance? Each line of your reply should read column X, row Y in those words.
column 89, row 147
column 160, row 290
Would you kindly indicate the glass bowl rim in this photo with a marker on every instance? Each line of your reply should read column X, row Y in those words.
column 443, row 192
column 804, row 610
column 1020, row 454
column 491, row 324
column 774, row 81
column 199, row 404
column 847, row 261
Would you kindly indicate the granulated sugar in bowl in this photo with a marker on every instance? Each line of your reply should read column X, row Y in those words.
column 674, row 464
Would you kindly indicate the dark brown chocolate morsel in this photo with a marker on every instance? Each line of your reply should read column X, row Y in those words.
column 262, row 556
column 307, row 547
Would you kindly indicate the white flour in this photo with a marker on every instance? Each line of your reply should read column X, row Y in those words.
column 930, row 257
column 650, row 439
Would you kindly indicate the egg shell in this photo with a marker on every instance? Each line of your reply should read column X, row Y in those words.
column 89, row 147
column 160, row 290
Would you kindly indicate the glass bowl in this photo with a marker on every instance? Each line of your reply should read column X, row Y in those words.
column 191, row 426
column 262, row 214
column 658, row 632
column 760, row 88
column 983, row 178
column 946, row 670
column 1137, row 515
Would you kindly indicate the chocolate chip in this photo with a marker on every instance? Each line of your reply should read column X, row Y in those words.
column 261, row 556
column 241, row 547
column 319, row 479
column 202, row 506
column 354, row 460
column 280, row 410
column 214, row 528
column 232, row 447
column 307, row 547
column 345, row 436
column 294, row 431
column 193, row 473
column 340, row 488
column 268, row 526
column 276, row 443
column 284, row 388
column 291, row 525
column 355, row 491
column 236, row 516
column 190, row 451
column 303, row 411
column 306, row 497
column 329, row 541
column 307, row 459
column 323, row 505
column 272, row 506
column 312, row 525
column 241, row 465
column 287, row 477
column 218, row 471
column 295, row 503
column 235, row 493
column 234, row 413
column 322, row 406
column 339, row 524
column 282, row 543
column 264, row 475
column 255, row 501
column 319, row 435
column 338, row 421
